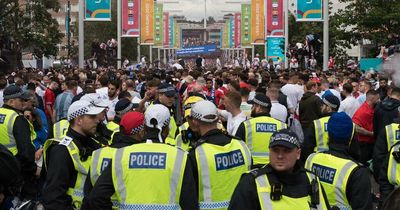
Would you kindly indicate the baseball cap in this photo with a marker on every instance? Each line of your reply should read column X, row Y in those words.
column 285, row 138
column 13, row 91
column 167, row 89
column 132, row 122
column 96, row 100
column 340, row 128
column 81, row 107
column 187, row 106
column 123, row 106
column 157, row 115
column 262, row 100
column 205, row 111
column 332, row 101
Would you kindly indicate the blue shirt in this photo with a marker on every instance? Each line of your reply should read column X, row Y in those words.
column 63, row 101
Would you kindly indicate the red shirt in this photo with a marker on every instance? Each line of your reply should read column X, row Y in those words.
column 363, row 117
column 49, row 99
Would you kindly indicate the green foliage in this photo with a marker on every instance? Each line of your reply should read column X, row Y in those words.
column 31, row 25
column 375, row 20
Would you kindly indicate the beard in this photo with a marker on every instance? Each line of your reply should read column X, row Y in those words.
column 253, row 113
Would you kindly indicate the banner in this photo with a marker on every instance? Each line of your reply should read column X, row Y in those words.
column 130, row 18
column 257, row 21
column 171, row 31
column 158, row 25
column 231, row 32
column 177, row 35
column 147, row 21
column 166, row 29
column 275, row 49
column 98, row 10
column 275, row 23
column 225, row 35
column 238, row 24
column 246, row 26
column 197, row 50
column 309, row 10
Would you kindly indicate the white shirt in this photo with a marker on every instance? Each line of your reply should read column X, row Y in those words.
column 294, row 93
column 111, row 108
column 246, row 108
column 103, row 92
column 233, row 123
column 252, row 94
column 278, row 111
column 349, row 105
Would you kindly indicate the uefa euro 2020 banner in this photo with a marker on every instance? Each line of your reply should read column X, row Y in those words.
column 98, row 10
column 309, row 10
column 275, row 49
column 130, row 18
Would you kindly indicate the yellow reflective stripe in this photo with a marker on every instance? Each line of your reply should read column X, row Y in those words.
column 309, row 161
column 247, row 152
column 81, row 169
column 11, row 137
column 390, row 137
column 57, row 130
column 320, row 137
column 249, row 141
column 94, row 167
column 205, row 174
column 341, row 196
column 265, row 199
column 392, row 167
column 179, row 141
column 174, row 185
column 121, row 188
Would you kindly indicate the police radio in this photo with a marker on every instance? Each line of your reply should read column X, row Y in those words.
column 276, row 192
column 396, row 155
column 314, row 193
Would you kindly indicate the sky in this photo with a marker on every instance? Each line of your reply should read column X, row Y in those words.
column 194, row 9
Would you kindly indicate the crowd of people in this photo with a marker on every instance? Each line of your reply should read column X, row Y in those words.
column 243, row 137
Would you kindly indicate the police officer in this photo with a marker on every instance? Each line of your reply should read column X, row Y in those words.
column 283, row 183
column 186, row 136
column 131, row 132
column 218, row 158
column 317, row 134
column 389, row 136
column 15, row 134
column 257, row 130
column 60, row 128
column 166, row 96
column 389, row 176
column 67, row 161
column 345, row 181
column 149, row 175
column 123, row 106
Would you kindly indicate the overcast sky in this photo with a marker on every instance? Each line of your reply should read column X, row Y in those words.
column 194, row 9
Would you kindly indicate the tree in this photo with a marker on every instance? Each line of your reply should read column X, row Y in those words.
column 29, row 26
column 375, row 20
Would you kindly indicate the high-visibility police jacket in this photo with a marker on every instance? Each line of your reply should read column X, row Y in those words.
column 217, row 166
column 32, row 131
column 173, row 129
column 334, row 174
column 266, row 203
column 392, row 135
column 321, row 134
column 112, row 126
column 101, row 158
column 60, row 128
column 148, row 176
column 259, row 130
column 81, row 167
column 7, row 139
column 393, row 172
column 179, row 140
